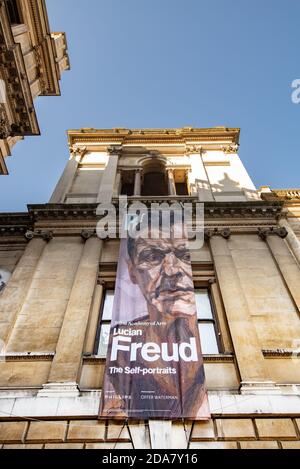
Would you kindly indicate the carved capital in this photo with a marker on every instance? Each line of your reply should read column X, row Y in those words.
column 224, row 232
column 114, row 150
column 77, row 151
column 45, row 235
column 193, row 149
column 230, row 148
column 87, row 234
column 263, row 233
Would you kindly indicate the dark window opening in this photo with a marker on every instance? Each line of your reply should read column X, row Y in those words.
column 127, row 183
column 182, row 188
column 127, row 189
column 13, row 11
column 155, row 184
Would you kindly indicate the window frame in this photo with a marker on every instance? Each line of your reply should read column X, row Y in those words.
column 102, row 322
column 213, row 321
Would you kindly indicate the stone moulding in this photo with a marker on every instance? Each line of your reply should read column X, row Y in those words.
column 17, row 357
column 71, row 219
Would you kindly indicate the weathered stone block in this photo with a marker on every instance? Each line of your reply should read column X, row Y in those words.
column 214, row 445
column 290, row 444
column 117, row 432
column 17, row 447
column 259, row 445
column 64, row 446
column 86, row 430
column 51, row 432
column 235, row 429
column 276, row 428
column 203, row 431
column 12, row 432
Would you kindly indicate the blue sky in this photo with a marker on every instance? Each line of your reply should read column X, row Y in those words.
column 169, row 63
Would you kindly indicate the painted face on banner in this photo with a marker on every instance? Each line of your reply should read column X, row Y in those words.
column 162, row 269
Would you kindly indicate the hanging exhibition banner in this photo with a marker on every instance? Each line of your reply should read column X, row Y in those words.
column 154, row 365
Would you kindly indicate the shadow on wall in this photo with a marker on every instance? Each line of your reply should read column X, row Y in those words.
column 227, row 188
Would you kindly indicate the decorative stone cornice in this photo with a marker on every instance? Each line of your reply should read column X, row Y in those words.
column 263, row 233
column 45, row 235
column 213, row 210
column 184, row 136
column 14, row 224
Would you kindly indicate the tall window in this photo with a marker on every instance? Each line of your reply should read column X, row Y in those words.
column 13, row 11
column 104, row 326
column 127, row 183
column 206, row 321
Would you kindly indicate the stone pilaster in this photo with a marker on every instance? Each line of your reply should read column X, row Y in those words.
column 287, row 264
column 66, row 365
column 198, row 178
column 107, row 185
column 249, row 356
column 291, row 238
column 17, row 288
column 65, row 183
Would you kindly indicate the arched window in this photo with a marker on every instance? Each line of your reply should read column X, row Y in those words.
column 155, row 181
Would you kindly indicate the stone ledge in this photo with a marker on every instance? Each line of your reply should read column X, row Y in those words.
column 87, row 405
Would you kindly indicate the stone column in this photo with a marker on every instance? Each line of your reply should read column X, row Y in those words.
column 64, row 372
column 292, row 239
column 68, row 176
column 198, row 178
column 171, row 182
column 107, row 184
column 285, row 260
column 249, row 356
column 138, row 183
column 17, row 288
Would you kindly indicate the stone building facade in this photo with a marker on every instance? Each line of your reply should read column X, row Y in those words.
column 32, row 60
column 58, row 277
